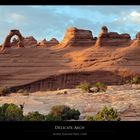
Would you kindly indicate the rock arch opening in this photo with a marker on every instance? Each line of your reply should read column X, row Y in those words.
column 7, row 41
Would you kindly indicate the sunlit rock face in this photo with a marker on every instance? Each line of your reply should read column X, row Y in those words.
column 77, row 37
column 106, row 38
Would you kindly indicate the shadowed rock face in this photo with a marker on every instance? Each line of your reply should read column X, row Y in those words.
column 70, row 80
column 7, row 40
column 77, row 37
column 106, row 38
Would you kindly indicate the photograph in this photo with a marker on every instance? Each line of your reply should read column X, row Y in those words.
column 72, row 66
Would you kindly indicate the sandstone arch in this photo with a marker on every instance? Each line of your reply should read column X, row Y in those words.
column 7, row 43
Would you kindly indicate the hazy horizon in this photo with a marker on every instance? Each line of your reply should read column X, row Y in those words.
column 52, row 21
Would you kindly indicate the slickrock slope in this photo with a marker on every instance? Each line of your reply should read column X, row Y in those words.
column 50, row 68
column 77, row 37
column 125, row 99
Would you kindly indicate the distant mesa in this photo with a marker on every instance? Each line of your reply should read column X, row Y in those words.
column 77, row 37
column 45, row 43
column 106, row 38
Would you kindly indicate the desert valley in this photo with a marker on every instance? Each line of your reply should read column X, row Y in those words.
column 42, row 74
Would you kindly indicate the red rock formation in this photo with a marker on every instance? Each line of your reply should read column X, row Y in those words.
column 7, row 43
column 106, row 38
column 42, row 43
column 29, row 42
column 136, row 41
column 45, row 43
column 77, row 37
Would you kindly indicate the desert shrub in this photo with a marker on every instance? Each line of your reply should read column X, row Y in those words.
column 90, row 118
column 2, row 111
column 85, row 87
column 34, row 116
column 65, row 112
column 12, row 112
column 4, row 91
column 51, row 117
column 100, row 87
column 106, row 114
column 135, row 80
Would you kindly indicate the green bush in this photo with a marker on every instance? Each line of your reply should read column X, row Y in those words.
column 12, row 112
column 2, row 111
column 84, row 87
column 51, row 117
column 106, row 114
column 34, row 116
column 101, row 87
column 65, row 112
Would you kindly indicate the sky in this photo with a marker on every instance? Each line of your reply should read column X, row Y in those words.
column 52, row 21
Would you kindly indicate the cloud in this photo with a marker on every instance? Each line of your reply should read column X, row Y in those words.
column 129, row 18
column 17, row 17
column 52, row 21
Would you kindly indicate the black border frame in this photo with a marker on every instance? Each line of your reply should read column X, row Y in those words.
column 91, row 128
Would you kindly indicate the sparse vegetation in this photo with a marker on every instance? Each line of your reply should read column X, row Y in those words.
column 51, row 117
column 100, row 87
column 106, row 114
column 133, row 80
column 85, row 87
column 10, row 112
column 65, row 112
column 34, row 116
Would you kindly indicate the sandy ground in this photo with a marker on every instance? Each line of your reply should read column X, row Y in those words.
column 126, row 99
